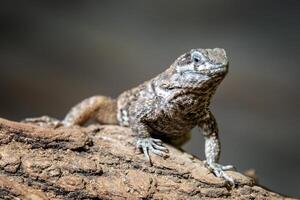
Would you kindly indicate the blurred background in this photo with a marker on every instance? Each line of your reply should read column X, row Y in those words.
column 53, row 54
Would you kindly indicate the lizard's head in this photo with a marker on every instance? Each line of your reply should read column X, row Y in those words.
column 202, row 63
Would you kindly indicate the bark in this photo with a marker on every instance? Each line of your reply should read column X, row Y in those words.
column 101, row 162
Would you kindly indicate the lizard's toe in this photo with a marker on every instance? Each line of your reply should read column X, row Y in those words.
column 160, row 147
column 151, row 145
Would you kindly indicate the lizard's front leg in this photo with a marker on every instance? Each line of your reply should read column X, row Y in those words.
column 146, row 143
column 213, row 147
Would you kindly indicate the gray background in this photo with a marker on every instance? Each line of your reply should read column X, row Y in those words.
column 54, row 54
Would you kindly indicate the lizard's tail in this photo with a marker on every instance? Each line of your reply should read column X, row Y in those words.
column 102, row 109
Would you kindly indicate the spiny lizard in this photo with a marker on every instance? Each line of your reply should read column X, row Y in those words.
column 166, row 107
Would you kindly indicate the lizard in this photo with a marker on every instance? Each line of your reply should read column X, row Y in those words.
column 166, row 107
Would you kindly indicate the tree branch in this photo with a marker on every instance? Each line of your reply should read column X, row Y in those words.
column 100, row 162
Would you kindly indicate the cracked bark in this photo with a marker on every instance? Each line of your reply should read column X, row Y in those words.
column 100, row 162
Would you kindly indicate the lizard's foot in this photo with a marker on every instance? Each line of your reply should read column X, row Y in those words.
column 153, row 145
column 219, row 171
column 44, row 121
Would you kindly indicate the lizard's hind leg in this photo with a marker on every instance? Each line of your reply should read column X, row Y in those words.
column 101, row 108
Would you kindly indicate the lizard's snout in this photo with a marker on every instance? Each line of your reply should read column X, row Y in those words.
column 218, row 55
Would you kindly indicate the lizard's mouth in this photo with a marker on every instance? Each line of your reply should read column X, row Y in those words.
column 218, row 71
column 213, row 69
column 209, row 69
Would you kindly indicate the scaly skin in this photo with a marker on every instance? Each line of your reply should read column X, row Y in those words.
column 167, row 107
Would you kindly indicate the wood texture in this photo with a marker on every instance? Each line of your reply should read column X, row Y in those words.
column 101, row 162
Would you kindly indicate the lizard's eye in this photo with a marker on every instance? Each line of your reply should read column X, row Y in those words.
column 196, row 57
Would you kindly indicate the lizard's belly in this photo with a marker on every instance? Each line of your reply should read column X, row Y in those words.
column 171, row 127
column 175, row 119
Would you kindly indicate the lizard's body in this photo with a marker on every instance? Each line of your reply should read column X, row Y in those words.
column 167, row 106
column 169, row 111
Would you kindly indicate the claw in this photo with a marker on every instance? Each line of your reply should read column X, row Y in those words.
column 228, row 167
column 228, row 178
column 146, row 153
column 219, row 171
column 157, row 152
column 151, row 145
column 156, row 140
column 161, row 148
